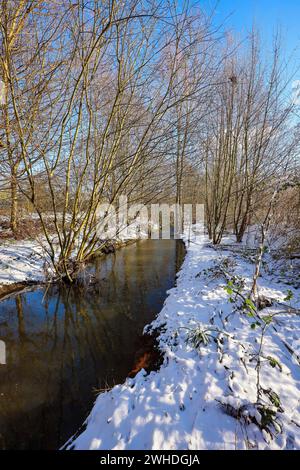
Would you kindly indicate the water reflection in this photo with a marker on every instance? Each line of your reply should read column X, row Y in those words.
column 62, row 344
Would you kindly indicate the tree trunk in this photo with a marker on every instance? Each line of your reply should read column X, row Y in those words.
column 241, row 230
column 14, row 202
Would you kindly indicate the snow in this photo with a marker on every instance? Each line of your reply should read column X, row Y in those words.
column 21, row 262
column 28, row 261
column 206, row 398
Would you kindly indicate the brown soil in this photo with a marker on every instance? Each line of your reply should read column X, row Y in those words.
column 27, row 228
column 148, row 356
column 6, row 290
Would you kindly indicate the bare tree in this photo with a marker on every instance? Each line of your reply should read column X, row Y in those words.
column 116, row 78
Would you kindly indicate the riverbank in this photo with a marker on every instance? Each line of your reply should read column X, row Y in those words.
column 230, row 377
column 81, row 339
column 18, row 287
column 21, row 262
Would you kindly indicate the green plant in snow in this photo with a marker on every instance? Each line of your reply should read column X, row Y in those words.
column 274, row 362
column 255, row 324
column 269, row 421
column 274, row 399
column 200, row 336
column 267, row 319
column 264, row 415
column 289, row 296
column 249, row 308
column 234, row 287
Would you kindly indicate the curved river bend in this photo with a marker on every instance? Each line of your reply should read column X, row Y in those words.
column 65, row 344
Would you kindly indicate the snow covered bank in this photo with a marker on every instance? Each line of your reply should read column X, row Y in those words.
column 21, row 261
column 229, row 379
column 27, row 260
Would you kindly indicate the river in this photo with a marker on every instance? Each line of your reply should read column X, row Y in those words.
column 66, row 344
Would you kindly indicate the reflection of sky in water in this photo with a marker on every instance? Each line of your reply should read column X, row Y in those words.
column 63, row 343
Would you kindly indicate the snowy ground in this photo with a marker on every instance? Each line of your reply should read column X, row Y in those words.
column 21, row 261
column 204, row 396
column 237, row 389
column 27, row 260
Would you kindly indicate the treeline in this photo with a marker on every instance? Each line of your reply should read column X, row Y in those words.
column 144, row 98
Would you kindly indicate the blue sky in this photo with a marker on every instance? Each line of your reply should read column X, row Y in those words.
column 267, row 15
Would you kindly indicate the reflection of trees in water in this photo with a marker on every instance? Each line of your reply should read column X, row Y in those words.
column 64, row 342
column 21, row 326
column 180, row 254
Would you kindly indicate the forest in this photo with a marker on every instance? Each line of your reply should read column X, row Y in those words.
column 160, row 102
column 146, row 99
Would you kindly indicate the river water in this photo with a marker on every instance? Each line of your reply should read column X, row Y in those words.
column 64, row 345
